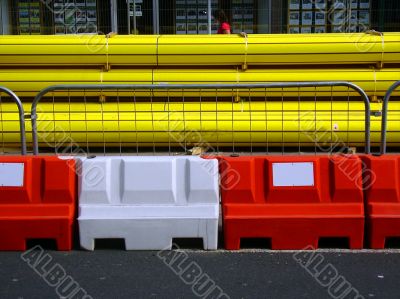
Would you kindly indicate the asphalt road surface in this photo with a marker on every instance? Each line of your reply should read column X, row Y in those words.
column 115, row 273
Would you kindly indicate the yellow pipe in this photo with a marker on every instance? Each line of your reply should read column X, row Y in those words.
column 283, row 49
column 50, row 50
column 173, row 50
column 27, row 83
column 222, row 124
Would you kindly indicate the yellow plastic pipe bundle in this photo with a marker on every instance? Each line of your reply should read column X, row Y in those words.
column 75, row 50
column 200, row 50
column 218, row 124
column 240, row 117
column 280, row 49
column 27, row 83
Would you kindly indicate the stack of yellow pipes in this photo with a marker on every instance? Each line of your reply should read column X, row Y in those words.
column 27, row 83
column 371, row 60
column 200, row 50
column 262, row 124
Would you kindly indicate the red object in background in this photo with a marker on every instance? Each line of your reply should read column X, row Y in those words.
column 382, row 195
column 257, row 205
column 43, row 207
column 224, row 27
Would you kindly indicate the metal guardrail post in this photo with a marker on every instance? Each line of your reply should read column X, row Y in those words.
column 352, row 86
column 384, row 116
column 21, row 112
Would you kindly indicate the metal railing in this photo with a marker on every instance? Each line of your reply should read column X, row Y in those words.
column 21, row 114
column 386, row 100
column 217, row 89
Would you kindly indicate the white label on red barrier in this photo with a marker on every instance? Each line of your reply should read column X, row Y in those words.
column 293, row 174
column 11, row 174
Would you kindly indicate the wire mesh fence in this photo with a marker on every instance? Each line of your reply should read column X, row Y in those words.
column 196, row 119
column 391, row 130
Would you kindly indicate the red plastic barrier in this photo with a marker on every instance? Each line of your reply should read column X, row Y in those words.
column 37, row 201
column 382, row 194
column 293, row 200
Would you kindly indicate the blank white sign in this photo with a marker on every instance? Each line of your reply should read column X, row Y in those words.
column 293, row 174
column 11, row 174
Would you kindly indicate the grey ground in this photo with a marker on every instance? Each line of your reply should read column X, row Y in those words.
column 112, row 273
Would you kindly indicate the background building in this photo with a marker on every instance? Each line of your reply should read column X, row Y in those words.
column 192, row 16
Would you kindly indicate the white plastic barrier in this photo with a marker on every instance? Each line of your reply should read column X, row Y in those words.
column 148, row 201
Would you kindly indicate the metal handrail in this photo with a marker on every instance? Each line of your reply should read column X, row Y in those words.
column 21, row 112
column 384, row 116
column 350, row 85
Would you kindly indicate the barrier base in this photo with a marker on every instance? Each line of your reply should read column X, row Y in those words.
column 294, row 232
column 14, row 233
column 382, row 228
column 143, row 229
